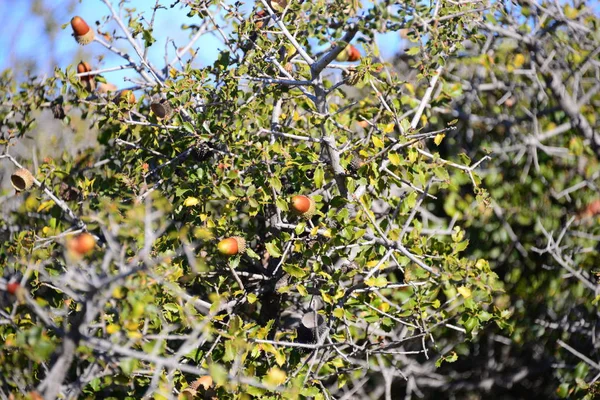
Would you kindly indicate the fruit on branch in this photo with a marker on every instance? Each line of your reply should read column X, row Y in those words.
column 303, row 205
column 350, row 53
column 13, row 287
column 88, row 80
column 260, row 18
column 82, row 244
column 162, row 109
column 81, row 31
column 232, row 246
column 22, row 180
column 125, row 97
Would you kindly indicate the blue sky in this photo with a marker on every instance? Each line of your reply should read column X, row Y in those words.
column 23, row 36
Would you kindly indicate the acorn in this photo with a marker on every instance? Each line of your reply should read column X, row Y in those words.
column 303, row 205
column 125, row 97
column 88, row 80
column 81, row 31
column 260, row 18
column 13, row 287
column 161, row 109
column 82, row 244
column 232, row 246
column 350, row 53
column 22, row 179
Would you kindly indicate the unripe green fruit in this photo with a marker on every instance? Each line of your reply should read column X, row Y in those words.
column 232, row 246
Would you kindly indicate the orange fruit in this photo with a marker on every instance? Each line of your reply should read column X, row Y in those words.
column 232, row 246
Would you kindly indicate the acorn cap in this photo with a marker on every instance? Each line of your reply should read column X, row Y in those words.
column 22, row 179
column 314, row 323
column 161, row 109
column 241, row 242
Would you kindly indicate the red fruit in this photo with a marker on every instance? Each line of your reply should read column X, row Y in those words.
column 350, row 53
column 80, row 27
column 82, row 244
column 232, row 246
column 353, row 53
column 303, row 205
column 12, row 287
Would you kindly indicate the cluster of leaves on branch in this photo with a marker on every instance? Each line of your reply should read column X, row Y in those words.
column 406, row 205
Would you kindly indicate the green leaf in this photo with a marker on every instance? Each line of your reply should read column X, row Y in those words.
column 295, row 271
column 273, row 249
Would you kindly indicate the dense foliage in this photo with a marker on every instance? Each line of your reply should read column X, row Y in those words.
column 448, row 243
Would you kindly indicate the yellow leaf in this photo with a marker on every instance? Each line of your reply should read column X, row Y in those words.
column 464, row 291
column 112, row 328
column 438, row 138
column 45, row 205
column 275, row 377
column 377, row 142
column 519, row 60
column 191, row 201
column 394, row 159
column 389, row 128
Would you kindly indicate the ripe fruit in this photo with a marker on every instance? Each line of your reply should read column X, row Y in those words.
column 303, row 205
column 232, row 246
column 12, row 287
column 125, row 97
column 81, row 31
column 82, row 244
column 88, row 80
column 22, row 180
column 260, row 18
column 350, row 53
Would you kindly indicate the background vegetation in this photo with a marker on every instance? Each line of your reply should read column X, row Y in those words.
column 453, row 249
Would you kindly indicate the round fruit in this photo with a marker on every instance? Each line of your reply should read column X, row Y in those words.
column 125, row 97
column 303, row 205
column 350, row 53
column 12, row 287
column 80, row 27
column 353, row 53
column 81, row 30
column 232, row 246
column 83, row 67
column 82, row 243
column 87, row 80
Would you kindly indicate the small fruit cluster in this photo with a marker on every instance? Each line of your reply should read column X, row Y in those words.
column 301, row 205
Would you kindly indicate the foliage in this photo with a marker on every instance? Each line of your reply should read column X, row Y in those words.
column 434, row 240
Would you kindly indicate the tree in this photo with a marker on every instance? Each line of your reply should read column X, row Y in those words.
column 290, row 222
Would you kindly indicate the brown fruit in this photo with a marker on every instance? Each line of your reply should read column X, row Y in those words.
column 81, row 30
column 260, row 18
column 232, row 246
column 303, row 205
column 82, row 244
column 88, row 80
